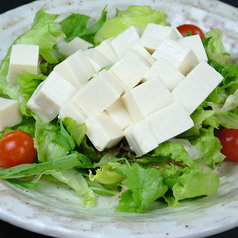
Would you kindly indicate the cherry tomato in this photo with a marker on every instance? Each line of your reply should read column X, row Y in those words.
column 184, row 29
column 229, row 141
column 16, row 147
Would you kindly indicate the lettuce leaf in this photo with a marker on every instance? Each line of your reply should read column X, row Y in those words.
column 138, row 16
column 75, row 25
column 145, row 185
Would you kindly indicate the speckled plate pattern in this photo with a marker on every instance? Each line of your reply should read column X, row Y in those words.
column 55, row 210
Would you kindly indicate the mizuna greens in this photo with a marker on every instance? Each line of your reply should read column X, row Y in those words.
column 181, row 168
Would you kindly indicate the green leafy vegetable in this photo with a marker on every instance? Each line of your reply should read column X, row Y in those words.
column 138, row 16
column 75, row 25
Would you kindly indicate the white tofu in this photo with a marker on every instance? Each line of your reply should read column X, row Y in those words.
column 167, row 72
column 98, row 94
column 140, row 137
column 190, row 94
column 41, row 108
column 23, row 57
column 205, row 77
column 146, row 99
column 110, row 71
column 81, row 67
column 50, row 96
column 9, row 113
column 154, row 34
column 74, row 45
column 106, row 49
column 64, row 70
column 72, row 110
column 103, row 131
column 124, row 41
column 119, row 114
column 143, row 53
column 181, row 56
column 97, row 60
column 170, row 121
column 194, row 42
column 130, row 69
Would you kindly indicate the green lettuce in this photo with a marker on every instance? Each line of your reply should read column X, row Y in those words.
column 75, row 25
column 138, row 16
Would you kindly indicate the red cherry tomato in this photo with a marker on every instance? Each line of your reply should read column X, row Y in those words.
column 16, row 147
column 229, row 141
column 184, row 29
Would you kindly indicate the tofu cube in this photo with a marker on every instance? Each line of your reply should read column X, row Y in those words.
column 81, row 67
column 194, row 43
column 65, row 71
column 23, row 57
column 72, row 110
column 143, row 53
column 167, row 72
column 98, row 94
column 50, row 96
column 73, row 46
column 106, row 49
column 179, row 55
column 154, row 34
column 130, row 69
column 103, row 131
column 170, row 121
column 190, row 94
column 97, row 60
column 146, row 99
column 205, row 76
column 118, row 112
column 140, row 137
column 9, row 113
column 124, row 41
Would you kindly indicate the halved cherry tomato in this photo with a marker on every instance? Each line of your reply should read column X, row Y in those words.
column 16, row 147
column 194, row 30
column 229, row 141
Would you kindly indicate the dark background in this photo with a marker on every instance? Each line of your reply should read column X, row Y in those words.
column 10, row 231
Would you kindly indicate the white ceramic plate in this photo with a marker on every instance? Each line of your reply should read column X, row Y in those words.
column 56, row 211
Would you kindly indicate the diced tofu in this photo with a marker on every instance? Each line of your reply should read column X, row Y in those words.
column 167, row 72
column 170, row 121
column 98, row 94
column 50, row 96
column 181, row 56
column 119, row 114
column 205, row 77
column 81, row 67
column 98, row 60
column 72, row 110
column 190, row 94
column 103, row 131
column 140, row 137
column 106, row 49
column 9, row 113
column 23, row 57
column 124, row 41
column 64, row 70
column 130, row 69
column 143, row 53
column 146, row 99
column 154, row 34
column 74, row 45
column 195, row 43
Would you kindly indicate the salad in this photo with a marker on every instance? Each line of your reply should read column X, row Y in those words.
column 184, row 167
